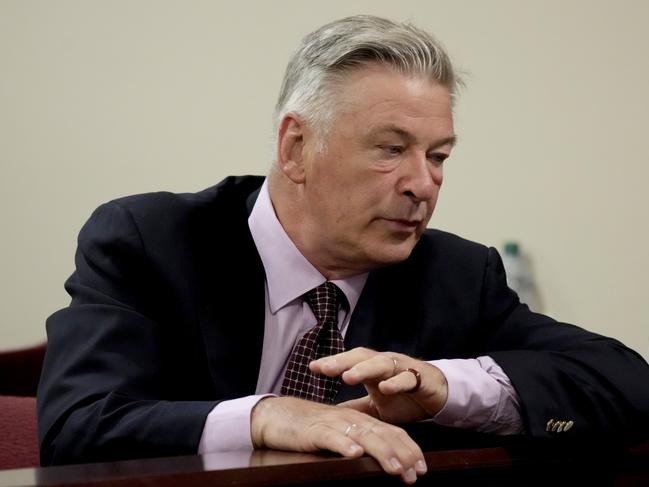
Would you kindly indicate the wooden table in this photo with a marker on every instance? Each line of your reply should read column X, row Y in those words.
column 513, row 462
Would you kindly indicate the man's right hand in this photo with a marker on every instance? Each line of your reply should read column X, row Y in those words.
column 288, row 423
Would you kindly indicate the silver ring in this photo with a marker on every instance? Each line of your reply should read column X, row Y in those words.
column 350, row 428
column 395, row 369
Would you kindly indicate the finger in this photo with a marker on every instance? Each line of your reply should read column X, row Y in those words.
column 334, row 439
column 374, row 369
column 363, row 405
column 415, row 453
column 335, row 365
column 405, row 381
column 395, row 451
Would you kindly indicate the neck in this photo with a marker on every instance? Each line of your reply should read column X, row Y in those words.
column 287, row 200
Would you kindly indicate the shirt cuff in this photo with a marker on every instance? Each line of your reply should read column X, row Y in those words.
column 480, row 397
column 227, row 426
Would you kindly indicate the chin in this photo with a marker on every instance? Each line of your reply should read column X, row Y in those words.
column 392, row 254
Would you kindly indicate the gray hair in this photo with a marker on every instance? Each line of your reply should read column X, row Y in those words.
column 319, row 65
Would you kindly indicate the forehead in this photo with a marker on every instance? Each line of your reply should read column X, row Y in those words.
column 377, row 95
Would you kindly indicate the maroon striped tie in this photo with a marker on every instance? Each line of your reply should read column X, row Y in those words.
column 320, row 341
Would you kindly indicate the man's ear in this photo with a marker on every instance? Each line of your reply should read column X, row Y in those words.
column 290, row 147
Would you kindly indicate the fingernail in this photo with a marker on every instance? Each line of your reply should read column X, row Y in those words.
column 395, row 464
column 411, row 476
column 421, row 467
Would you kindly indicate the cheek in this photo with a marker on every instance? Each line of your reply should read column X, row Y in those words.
column 353, row 210
column 430, row 209
column 368, row 202
column 438, row 176
column 430, row 205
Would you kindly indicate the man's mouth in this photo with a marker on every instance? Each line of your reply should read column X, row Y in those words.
column 403, row 224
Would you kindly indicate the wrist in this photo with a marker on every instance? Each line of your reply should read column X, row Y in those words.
column 438, row 389
column 258, row 420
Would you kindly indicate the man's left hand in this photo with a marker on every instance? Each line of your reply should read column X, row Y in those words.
column 390, row 385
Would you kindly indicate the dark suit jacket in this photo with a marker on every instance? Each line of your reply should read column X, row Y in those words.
column 167, row 319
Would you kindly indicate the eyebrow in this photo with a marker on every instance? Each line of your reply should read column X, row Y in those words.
column 452, row 140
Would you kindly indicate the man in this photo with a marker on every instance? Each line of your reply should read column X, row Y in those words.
column 195, row 318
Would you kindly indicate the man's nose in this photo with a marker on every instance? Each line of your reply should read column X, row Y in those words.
column 421, row 178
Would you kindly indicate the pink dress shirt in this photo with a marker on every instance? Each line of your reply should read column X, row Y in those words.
column 480, row 395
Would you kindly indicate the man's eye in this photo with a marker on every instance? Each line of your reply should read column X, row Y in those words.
column 393, row 150
column 437, row 158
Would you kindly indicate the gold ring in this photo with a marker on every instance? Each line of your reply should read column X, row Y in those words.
column 395, row 369
column 417, row 377
column 350, row 428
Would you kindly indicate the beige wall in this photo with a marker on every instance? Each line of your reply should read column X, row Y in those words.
column 104, row 98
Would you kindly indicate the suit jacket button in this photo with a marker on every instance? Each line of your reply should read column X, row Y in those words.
column 555, row 426
column 561, row 425
column 549, row 425
column 568, row 425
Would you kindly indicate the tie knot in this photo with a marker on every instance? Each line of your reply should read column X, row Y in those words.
column 325, row 301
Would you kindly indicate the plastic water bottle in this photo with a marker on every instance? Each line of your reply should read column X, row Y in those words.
column 519, row 276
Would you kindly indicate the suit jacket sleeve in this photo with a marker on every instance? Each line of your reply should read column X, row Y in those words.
column 109, row 390
column 561, row 371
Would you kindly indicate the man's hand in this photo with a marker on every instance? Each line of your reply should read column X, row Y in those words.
column 389, row 384
column 288, row 423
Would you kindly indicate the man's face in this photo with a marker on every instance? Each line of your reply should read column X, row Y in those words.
column 370, row 194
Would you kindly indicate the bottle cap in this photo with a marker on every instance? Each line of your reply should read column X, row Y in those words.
column 512, row 248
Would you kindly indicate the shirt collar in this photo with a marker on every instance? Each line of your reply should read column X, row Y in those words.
column 288, row 273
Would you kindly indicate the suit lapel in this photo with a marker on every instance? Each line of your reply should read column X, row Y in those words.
column 232, row 312
column 360, row 333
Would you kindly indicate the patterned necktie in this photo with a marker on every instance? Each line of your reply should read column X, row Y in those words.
column 320, row 341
